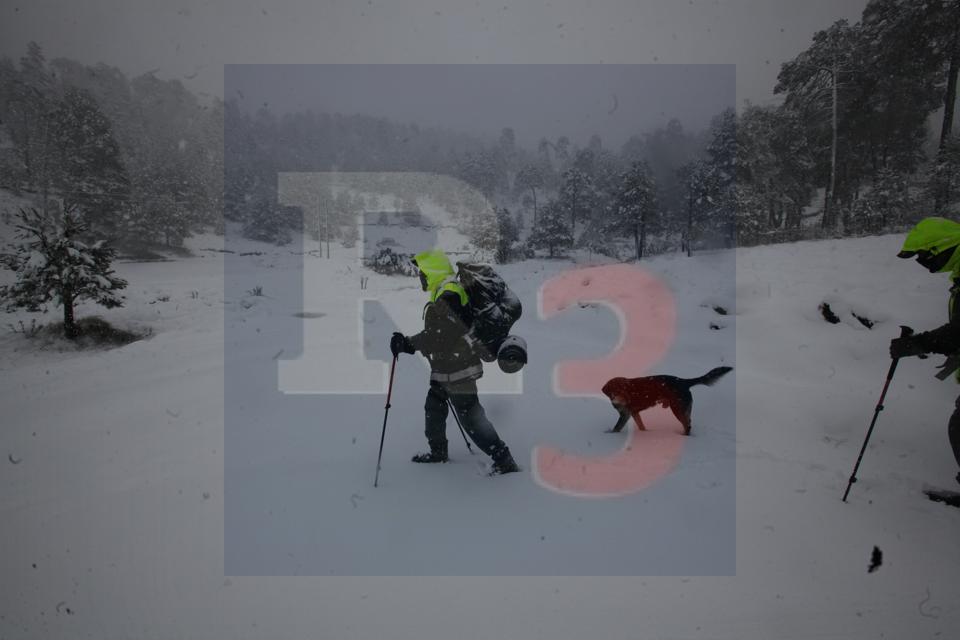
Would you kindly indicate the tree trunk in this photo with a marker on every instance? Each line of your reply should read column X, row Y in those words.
column 636, row 240
column 942, row 190
column 27, row 156
column 643, row 236
column 689, row 224
column 829, row 201
column 573, row 215
column 534, row 190
column 69, row 326
column 951, row 96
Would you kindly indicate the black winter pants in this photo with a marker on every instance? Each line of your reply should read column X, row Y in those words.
column 953, row 430
column 463, row 397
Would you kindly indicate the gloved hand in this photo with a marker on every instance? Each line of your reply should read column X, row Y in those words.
column 400, row 343
column 906, row 346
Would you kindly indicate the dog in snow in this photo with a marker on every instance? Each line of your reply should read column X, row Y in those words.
column 630, row 396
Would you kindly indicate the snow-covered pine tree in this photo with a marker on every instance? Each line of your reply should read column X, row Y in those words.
column 481, row 170
column 530, row 178
column 596, row 236
column 885, row 206
column 942, row 188
column 635, row 210
column 607, row 169
column 91, row 173
column 266, row 222
column 53, row 262
column 751, row 214
column 507, row 235
column 689, row 176
column 483, row 231
column 29, row 102
column 239, row 150
column 576, row 194
column 717, row 175
column 551, row 231
column 562, row 150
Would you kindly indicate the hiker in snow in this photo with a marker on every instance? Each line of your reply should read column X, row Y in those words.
column 933, row 242
column 454, row 365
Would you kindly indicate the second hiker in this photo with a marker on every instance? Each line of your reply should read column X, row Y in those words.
column 933, row 242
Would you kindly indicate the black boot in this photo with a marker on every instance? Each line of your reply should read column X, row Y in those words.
column 503, row 463
column 437, row 454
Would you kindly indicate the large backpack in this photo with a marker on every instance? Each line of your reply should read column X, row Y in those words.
column 493, row 307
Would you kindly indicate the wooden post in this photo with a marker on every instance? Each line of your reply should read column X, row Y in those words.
column 319, row 241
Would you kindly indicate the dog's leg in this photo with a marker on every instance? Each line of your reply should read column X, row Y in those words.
column 622, row 420
column 639, row 422
column 682, row 406
column 686, row 425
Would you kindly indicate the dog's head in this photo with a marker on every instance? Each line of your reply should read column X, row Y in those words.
column 612, row 386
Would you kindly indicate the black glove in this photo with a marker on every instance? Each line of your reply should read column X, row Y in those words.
column 906, row 346
column 400, row 343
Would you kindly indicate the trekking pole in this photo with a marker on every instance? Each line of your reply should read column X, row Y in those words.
column 457, row 419
column 904, row 332
column 386, row 410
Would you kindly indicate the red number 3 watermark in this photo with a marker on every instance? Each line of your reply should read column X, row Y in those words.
column 648, row 317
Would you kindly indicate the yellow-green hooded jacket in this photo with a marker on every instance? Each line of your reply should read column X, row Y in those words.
column 446, row 322
column 937, row 235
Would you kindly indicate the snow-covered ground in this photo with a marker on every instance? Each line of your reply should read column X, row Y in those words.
column 118, row 521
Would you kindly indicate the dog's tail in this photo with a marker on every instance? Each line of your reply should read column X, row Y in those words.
column 710, row 377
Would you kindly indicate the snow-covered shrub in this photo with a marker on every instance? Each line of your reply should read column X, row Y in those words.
column 29, row 331
column 93, row 332
column 391, row 263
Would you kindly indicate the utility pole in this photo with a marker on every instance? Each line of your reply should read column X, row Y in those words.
column 833, row 148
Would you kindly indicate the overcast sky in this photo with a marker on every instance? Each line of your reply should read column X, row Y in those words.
column 193, row 41
column 613, row 101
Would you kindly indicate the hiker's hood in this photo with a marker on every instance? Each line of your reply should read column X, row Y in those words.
column 435, row 266
column 935, row 235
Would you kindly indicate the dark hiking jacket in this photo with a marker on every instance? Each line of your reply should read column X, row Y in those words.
column 446, row 323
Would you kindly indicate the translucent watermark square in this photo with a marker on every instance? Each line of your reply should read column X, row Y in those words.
column 318, row 277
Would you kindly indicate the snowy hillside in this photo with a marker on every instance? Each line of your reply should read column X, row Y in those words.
column 118, row 520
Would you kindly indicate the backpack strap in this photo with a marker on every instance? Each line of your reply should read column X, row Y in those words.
column 451, row 284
